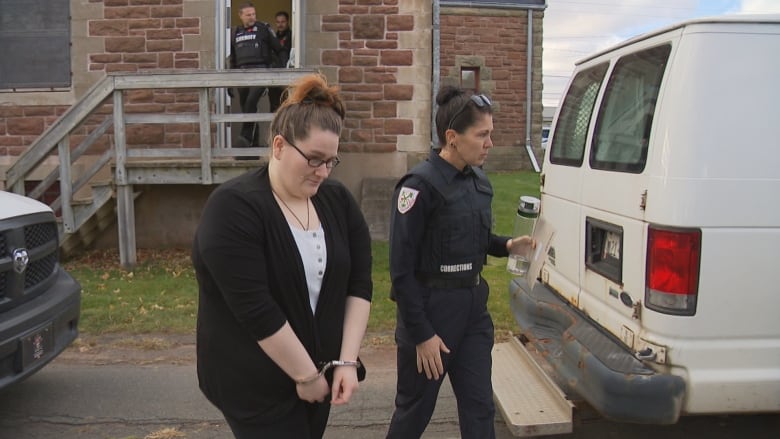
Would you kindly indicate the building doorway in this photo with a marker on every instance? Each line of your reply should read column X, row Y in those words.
column 227, row 19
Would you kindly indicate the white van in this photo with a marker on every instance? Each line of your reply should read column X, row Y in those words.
column 660, row 292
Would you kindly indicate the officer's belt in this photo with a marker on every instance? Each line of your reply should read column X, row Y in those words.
column 433, row 281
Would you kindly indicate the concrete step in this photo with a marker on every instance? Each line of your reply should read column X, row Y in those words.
column 529, row 401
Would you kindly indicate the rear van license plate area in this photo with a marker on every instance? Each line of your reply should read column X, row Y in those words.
column 604, row 249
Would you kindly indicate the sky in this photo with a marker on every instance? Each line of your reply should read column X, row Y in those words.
column 574, row 29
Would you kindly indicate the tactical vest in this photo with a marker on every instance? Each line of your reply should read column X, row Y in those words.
column 251, row 46
column 457, row 232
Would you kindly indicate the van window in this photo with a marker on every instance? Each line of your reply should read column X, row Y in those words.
column 568, row 147
column 625, row 118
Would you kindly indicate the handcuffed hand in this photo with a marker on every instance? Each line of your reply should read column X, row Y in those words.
column 313, row 391
column 345, row 383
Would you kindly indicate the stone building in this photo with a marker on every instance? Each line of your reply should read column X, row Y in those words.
column 388, row 57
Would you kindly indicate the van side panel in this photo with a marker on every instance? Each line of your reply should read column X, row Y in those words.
column 731, row 346
column 713, row 165
column 716, row 146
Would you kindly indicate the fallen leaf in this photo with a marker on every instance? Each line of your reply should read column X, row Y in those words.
column 165, row 433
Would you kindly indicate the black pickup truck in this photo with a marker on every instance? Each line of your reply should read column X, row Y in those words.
column 39, row 302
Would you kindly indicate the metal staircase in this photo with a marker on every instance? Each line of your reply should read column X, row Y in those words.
column 86, row 203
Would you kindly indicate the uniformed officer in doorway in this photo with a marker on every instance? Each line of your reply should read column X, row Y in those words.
column 440, row 236
column 252, row 47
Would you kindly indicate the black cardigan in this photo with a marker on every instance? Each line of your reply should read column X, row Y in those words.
column 251, row 281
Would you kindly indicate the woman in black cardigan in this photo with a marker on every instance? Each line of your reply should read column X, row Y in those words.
column 283, row 262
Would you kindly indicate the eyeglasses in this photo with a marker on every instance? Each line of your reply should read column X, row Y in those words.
column 315, row 163
column 480, row 101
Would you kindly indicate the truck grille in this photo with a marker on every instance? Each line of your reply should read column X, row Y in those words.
column 39, row 238
column 36, row 235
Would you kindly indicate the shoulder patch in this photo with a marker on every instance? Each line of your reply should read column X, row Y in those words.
column 406, row 199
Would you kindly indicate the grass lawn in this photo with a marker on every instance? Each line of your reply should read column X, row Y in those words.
column 160, row 294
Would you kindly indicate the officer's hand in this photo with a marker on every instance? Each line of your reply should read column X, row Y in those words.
column 315, row 391
column 429, row 357
column 520, row 245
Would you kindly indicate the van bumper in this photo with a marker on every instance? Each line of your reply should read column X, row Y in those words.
column 592, row 365
column 35, row 332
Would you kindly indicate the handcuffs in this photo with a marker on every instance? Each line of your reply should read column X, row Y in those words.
column 324, row 367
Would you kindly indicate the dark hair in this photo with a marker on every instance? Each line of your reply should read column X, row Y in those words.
column 285, row 14
column 456, row 111
column 309, row 102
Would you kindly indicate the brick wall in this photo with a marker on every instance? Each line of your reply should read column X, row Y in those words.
column 21, row 125
column 143, row 35
column 496, row 42
column 118, row 36
column 367, row 63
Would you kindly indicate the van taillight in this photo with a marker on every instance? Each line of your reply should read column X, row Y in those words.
column 672, row 278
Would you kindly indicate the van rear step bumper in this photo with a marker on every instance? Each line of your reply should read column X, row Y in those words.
column 592, row 365
column 529, row 401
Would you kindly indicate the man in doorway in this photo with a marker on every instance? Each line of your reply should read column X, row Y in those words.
column 251, row 47
column 282, row 58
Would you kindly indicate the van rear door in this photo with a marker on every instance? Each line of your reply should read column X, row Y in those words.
column 614, row 191
column 562, row 177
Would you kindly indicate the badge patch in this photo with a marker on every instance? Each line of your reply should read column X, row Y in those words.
column 406, row 199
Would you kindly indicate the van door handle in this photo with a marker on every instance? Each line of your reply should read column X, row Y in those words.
column 645, row 354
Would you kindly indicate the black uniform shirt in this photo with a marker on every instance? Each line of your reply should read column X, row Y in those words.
column 253, row 46
column 283, row 56
column 416, row 200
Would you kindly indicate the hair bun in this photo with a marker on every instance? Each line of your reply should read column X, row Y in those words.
column 314, row 89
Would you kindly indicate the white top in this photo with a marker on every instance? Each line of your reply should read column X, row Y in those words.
column 311, row 246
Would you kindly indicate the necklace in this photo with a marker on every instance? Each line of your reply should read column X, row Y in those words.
column 306, row 227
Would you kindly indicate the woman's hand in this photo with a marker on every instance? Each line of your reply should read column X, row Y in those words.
column 345, row 383
column 313, row 391
column 520, row 245
column 429, row 357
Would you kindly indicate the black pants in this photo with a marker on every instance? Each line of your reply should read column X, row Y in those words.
column 304, row 421
column 275, row 97
column 248, row 97
column 461, row 319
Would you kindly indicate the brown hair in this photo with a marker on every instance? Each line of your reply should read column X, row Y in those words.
column 309, row 102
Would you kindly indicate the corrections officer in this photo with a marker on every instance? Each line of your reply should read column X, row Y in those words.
column 439, row 238
column 251, row 48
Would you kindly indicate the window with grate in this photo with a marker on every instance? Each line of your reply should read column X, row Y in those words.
column 571, row 131
column 35, row 37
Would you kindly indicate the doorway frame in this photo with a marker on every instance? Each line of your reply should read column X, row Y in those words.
column 222, row 34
